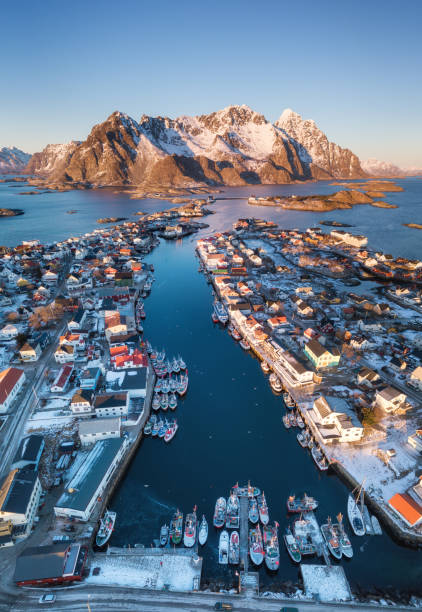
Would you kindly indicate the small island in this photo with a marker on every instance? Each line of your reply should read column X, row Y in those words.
column 413, row 225
column 330, row 223
column 344, row 199
column 11, row 212
column 111, row 219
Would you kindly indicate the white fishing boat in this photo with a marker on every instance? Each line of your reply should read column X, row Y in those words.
column 355, row 515
column 234, row 548
column 245, row 345
column 345, row 544
column 275, row 383
column 172, row 401
column 220, row 312
column 203, row 531
column 189, row 536
column 265, row 367
column 223, row 548
column 106, row 528
column 171, row 431
column 220, row 512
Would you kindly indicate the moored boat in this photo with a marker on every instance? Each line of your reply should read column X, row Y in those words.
column 164, row 535
column 220, row 312
column 106, row 528
column 163, row 429
column 331, row 539
column 263, row 509
column 265, row 367
column 234, row 548
column 319, row 458
column 223, row 548
column 235, row 335
column 355, row 516
column 156, row 401
column 292, row 546
column 286, row 421
column 171, row 431
column 172, row 401
column 275, row 383
column 339, row 530
column 203, row 531
column 272, row 549
column 220, row 512
column 306, row 504
column 245, row 345
column 156, row 428
column 164, row 401
column 256, row 549
column 189, row 537
column 299, row 421
column 148, row 427
column 253, row 512
column 302, row 439
column 288, row 400
column 376, row 527
column 232, row 512
column 176, row 527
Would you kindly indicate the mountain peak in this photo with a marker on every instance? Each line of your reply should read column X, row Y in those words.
column 13, row 159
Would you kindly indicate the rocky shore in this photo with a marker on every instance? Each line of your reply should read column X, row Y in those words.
column 413, row 225
column 111, row 219
column 11, row 212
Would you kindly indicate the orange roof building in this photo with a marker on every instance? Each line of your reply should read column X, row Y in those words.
column 406, row 507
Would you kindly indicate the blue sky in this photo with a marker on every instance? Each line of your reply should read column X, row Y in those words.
column 353, row 67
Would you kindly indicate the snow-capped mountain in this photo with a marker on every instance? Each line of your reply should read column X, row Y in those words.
column 326, row 159
column 13, row 160
column 374, row 167
column 233, row 146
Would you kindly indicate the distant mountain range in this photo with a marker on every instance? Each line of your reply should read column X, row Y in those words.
column 234, row 146
column 13, row 160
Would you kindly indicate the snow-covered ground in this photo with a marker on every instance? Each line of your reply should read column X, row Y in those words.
column 325, row 583
column 47, row 420
column 147, row 571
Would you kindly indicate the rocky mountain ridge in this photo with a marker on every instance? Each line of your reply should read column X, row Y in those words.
column 233, row 146
column 374, row 167
column 13, row 160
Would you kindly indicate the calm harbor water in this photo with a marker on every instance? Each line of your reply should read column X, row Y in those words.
column 230, row 421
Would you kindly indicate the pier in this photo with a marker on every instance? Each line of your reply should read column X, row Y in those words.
column 243, row 536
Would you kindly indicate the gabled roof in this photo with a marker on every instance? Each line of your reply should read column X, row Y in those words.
column 406, row 507
column 8, row 380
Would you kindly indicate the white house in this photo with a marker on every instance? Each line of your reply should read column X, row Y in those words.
column 416, row 378
column 30, row 352
column 92, row 430
column 81, row 402
column 390, row 399
column 64, row 353
column 11, row 382
column 9, row 332
column 335, row 421
column 111, row 404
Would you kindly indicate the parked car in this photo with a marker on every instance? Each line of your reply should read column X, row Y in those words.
column 47, row 598
column 223, row 606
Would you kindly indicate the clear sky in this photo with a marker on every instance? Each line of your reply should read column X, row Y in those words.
column 354, row 67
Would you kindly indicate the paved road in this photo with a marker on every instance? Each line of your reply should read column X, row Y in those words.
column 120, row 599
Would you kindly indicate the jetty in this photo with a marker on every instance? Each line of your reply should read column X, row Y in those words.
column 243, row 536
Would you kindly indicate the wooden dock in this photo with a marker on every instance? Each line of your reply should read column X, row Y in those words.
column 244, row 533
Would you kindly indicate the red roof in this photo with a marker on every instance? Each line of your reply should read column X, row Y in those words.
column 63, row 376
column 406, row 507
column 8, row 380
column 118, row 350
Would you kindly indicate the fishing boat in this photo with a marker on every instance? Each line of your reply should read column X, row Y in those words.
column 220, row 512
column 148, row 428
column 275, row 383
column 376, row 527
column 172, row 401
column 288, row 400
column 299, row 421
column 106, row 528
column 292, row 546
column 302, row 439
column 182, row 364
column 354, row 514
column 253, row 512
column 256, row 549
column 235, row 335
column 220, row 312
column 293, row 421
column 173, row 384
column 265, row 367
column 156, row 402
column 203, row 531
column 183, row 385
column 263, row 509
column 234, row 548
column 331, row 539
column 175, row 365
column 271, row 547
column 158, row 386
column 246, row 491
column 223, row 548
column 319, row 458
column 286, row 421
column 214, row 317
column 171, row 431
column 165, row 387
column 311, row 442
column 232, row 512
column 306, row 504
column 245, row 345
column 176, row 528
column 346, row 545
column 164, row 535
column 156, row 428
column 163, row 429
column 189, row 537
column 304, row 532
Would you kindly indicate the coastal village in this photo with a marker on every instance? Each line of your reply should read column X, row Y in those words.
column 80, row 386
